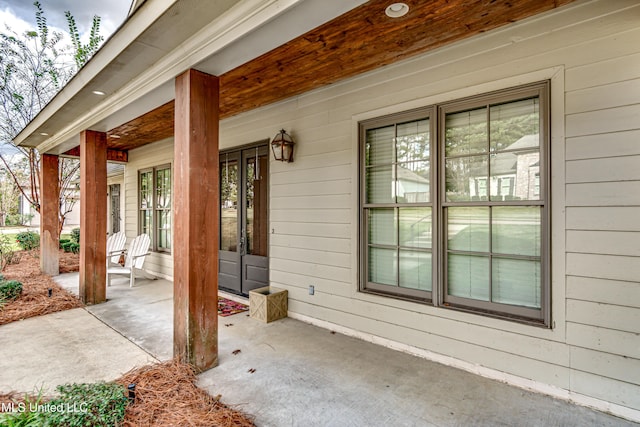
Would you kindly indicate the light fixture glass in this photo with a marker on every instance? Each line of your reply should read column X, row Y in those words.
column 44, row 134
column 282, row 146
column 396, row 10
column 98, row 92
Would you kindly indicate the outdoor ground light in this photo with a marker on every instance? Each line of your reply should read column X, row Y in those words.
column 282, row 146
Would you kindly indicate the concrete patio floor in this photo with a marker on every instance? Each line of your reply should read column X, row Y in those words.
column 289, row 373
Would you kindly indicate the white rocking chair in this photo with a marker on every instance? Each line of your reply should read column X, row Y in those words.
column 134, row 260
column 115, row 248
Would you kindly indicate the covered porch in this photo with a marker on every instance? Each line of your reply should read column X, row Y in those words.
column 312, row 376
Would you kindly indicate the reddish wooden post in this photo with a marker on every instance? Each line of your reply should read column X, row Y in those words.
column 196, row 220
column 93, row 216
column 49, row 215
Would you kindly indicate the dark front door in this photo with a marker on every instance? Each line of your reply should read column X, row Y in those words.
column 243, row 220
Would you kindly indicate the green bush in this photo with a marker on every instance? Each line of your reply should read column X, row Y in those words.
column 28, row 240
column 62, row 241
column 10, row 290
column 7, row 252
column 75, row 235
column 67, row 246
column 98, row 404
column 74, row 247
column 17, row 219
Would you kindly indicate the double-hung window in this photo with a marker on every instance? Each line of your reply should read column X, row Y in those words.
column 155, row 206
column 455, row 204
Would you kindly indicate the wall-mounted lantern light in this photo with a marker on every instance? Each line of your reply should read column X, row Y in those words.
column 282, row 146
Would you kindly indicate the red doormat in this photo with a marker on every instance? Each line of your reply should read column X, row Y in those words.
column 227, row 307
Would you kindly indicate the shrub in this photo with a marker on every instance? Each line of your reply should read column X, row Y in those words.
column 67, row 246
column 10, row 290
column 28, row 240
column 98, row 404
column 74, row 247
column 7, row 253
column 62, row 241
column 75, row 235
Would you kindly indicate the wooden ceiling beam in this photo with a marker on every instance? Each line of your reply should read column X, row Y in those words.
column 113, row 155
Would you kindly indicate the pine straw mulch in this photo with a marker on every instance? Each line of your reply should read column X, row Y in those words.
column 35, row 300
column 166, row 395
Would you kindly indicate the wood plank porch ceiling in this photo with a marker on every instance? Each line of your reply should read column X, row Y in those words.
column 359, row 41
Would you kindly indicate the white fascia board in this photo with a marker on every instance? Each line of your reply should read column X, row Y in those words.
column 229, row 27
column 128, row 33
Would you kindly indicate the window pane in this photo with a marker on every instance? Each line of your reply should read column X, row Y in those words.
column 163, row 188
column 466, row 179
column 383, row 266
column 468, row 229
column 415, row 227
column 145, row 222
column 146, row 188
column 412, row 141
column 164, row 229
column 382, row 227
column 415, row 270
column 515, row 125
column 466, row 133
column 516, row 230
column 413, row 182
column 516, row 282
column 468, row 276
column 380, row 185
column 379, row 146
column 520, row 168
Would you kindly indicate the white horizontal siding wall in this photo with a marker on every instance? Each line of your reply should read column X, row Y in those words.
column 591, row 50
column 156, row 154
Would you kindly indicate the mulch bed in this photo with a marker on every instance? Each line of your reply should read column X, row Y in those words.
column 35, row 300
column 166, row 393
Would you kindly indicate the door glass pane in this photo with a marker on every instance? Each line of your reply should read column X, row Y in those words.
column 468, row 229
column 415, row 227
column 382, row 226
column 516, row 230
column 468, row 276
column 466, row 133
column 415, row 269
column 229, row 206
column 516, row 282
column 383, row 266
column 256, row 213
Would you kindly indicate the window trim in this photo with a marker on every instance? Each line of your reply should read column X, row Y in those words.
column 154, row 210
column 438, row 297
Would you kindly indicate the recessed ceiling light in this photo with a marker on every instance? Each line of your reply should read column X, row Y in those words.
column 44, row 134
column 396, row 10
column 115, row 136
column 99, row 92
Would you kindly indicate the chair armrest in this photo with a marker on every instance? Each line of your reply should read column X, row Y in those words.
column 112, row 253
column 141, row 255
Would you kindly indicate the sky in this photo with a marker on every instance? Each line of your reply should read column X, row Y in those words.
column 20, row 14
